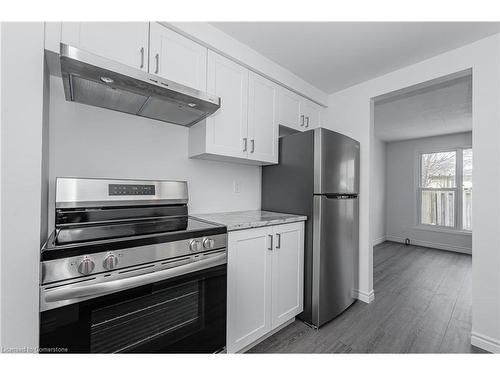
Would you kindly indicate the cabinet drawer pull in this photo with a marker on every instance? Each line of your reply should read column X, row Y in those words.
column 301, row 120
column 252, row 141
column 244, row 144
column 270, row 242
column 278, row 240
column 307, row 121
column 157, row 57
column 142, row 58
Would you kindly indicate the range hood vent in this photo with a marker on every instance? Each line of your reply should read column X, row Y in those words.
column 97, row 81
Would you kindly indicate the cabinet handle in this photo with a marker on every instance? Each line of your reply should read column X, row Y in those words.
column 307, row 121
column 244, row 144
column 252, row 141
column 301, row 120
column 278, row 240
column 157, row 57
column 142, row 58
column 270, row 242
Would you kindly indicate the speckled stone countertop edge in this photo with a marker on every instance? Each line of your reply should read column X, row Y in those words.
column 240, row 220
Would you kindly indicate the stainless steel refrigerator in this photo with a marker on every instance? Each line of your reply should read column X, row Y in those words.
column 318, row 176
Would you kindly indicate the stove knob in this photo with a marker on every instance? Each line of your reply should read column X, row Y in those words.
column 208, row 243
column 110, row 261
column 86, row 266
column 195, row 245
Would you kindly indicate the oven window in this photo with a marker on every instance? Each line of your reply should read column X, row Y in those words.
column 165, row 313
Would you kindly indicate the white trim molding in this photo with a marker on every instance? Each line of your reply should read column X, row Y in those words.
column 366, row 297
column 434, row 245
column 378, row 241
column 485, row 342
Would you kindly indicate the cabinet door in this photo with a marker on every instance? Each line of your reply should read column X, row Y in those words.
column 249, row 286
column 311, row 113
column 227, row 128
column 262, row 122
column 289, row 113
column 288, row 272
column 125, row 42
column 177, row 58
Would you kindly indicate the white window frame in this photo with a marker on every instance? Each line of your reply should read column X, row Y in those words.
column 458, row 219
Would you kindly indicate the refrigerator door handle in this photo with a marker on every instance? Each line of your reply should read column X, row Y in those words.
column 341, row 196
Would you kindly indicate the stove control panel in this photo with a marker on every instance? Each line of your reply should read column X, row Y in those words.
column 128, row 189
column 114, row 260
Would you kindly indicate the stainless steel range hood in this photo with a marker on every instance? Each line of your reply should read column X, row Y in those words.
column 97, row 81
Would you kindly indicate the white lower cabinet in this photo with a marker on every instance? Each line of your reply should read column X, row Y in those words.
column 265, row 281
column 288, row 273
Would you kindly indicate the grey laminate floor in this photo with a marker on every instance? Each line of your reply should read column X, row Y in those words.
column 422, row 305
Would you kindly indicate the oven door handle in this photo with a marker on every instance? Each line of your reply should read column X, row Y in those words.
column 72, row 291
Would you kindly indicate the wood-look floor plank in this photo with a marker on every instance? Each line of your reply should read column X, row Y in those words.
column 422, row 304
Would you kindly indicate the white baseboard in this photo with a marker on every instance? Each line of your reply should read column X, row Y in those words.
column 434, row 245
column 366, row 297
column 378, row 241
column 485, row 342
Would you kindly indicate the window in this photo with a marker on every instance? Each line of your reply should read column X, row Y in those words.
column 467, row 189
column 445, row 189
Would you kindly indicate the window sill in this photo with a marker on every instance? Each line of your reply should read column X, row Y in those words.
column 433, row 228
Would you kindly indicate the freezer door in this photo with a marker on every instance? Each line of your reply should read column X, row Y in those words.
column 336, row 163
column 335, row 248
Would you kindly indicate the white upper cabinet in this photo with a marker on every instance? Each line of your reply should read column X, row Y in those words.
column 288, row 110
column 262, row 119
column 124, row 42
column 227, row 128
column 177, row 58
column 245, row 128
column 311, row 112
column 297, row 112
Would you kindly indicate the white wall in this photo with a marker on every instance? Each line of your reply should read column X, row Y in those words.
column 93, row 142
column 350, row 112
column 401, row 180
column 21, row 172
column 379, row 192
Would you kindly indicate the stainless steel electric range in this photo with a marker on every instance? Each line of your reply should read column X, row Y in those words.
column 127, row 270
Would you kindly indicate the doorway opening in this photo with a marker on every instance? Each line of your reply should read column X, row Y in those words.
column 421, row 211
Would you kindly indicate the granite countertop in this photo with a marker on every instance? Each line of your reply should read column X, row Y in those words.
column 250, row 219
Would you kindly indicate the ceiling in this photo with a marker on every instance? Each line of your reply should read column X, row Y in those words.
column 443, row 108
column 336, row 55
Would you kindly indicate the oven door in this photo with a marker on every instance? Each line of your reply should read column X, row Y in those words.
column 181, row 314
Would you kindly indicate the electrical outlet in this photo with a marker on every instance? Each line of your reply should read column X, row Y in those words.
column 236, row 186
